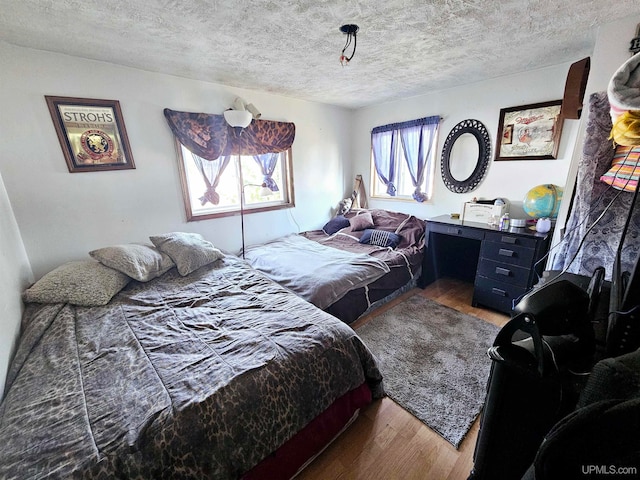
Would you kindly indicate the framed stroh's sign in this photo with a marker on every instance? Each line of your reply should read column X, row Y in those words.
column 529, row 132
column 91, row 133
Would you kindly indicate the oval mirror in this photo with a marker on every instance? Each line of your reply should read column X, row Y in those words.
column 465, row 151
column 465, row 156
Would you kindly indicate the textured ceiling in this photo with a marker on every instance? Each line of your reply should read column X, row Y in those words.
column 292, row 48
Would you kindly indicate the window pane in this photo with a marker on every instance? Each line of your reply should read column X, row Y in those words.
column 403, row 183
column 252, row 179
column 229, row 187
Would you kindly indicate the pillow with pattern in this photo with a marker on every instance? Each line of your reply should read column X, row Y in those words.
column 85, row 282
column 140, row 262
column 189, row 251
column 381, row 238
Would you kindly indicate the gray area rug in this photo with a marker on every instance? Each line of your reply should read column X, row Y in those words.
column 434, row 362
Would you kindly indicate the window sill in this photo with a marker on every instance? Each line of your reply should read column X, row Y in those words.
column 231, row 213
column 398, row 199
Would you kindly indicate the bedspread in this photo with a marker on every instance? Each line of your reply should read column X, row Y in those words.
column 182, row 377
column 321, row 275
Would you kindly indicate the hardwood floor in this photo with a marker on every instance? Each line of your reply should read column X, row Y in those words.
column 387, row 442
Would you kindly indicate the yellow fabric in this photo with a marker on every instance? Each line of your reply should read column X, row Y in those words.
column 626, row 129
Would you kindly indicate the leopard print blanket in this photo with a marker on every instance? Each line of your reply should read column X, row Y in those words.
column 182, row 377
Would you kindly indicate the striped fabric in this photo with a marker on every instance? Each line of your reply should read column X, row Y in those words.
column 380, row 237
column 625, row 169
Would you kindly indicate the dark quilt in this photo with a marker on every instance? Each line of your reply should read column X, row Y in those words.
column 182, row 377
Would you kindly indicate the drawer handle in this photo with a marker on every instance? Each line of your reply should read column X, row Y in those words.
column 506, row 253
column 511, row 240
column 498, row 291
column 455, row 231
column 503, row 271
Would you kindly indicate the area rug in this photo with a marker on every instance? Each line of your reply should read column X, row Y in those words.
column 434, row 362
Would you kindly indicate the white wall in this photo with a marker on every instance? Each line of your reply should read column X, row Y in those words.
column 481, row 101
column 62, row 216
column 15, row 276
column 610, row 52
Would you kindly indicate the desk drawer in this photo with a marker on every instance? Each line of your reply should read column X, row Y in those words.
column 512, row 254
column 496, row 295
column 504, row 272
column 509, row 240
column 456, row 231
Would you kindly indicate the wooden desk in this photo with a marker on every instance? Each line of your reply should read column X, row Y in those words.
column 503, row 265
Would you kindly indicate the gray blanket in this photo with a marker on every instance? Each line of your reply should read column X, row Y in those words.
column 182, row 377
column 320, row 274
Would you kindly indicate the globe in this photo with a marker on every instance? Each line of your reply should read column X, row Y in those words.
column 543, row 201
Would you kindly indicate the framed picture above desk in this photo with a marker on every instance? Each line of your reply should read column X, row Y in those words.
column 503, row 265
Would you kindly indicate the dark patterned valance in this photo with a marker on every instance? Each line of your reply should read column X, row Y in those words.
column 209, row 136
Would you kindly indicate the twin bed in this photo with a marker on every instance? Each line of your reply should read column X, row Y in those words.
column 176, row 361
column 354, row 264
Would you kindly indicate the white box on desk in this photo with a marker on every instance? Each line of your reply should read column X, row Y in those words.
column 481, row 212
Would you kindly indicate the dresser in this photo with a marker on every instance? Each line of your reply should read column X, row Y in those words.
column 503, row 265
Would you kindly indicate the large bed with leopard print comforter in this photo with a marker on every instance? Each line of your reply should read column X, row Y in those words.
column 202, row 376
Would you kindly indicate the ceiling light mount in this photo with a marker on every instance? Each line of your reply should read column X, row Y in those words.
column 350, row 30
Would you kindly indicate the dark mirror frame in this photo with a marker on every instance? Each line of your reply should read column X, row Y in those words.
column 478, row 130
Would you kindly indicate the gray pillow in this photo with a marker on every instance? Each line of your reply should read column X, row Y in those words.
column 85, row 282
column 361, row 221
column 140, row 262
column 189, row 251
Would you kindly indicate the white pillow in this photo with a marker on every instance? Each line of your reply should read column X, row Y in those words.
column 140, row 262
column 189, row 251
column 85, row 282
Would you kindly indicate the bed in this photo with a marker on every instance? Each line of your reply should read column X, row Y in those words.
column 203, row 368
column 354, row 264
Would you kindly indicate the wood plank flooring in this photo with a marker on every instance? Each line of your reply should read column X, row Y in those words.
column 387, row 442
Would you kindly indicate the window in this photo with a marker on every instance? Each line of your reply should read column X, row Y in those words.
column 236, row 171
column 403, row 159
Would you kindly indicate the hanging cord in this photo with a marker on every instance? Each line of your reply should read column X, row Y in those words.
column 617, row 274
column 351, row 32
column 567, row 235
column 592, row 226
column 575, row 255
column 633, row 204
column 586, row 234
column 293, row 218
column 570, row 232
